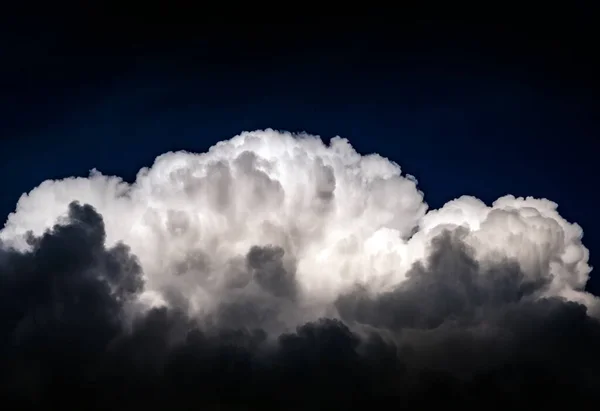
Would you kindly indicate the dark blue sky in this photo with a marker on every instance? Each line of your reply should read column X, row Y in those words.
column 478, row 110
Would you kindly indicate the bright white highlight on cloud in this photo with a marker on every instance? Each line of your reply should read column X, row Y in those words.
column 340, row 217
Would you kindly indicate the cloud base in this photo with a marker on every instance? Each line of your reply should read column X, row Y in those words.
column 277, row 267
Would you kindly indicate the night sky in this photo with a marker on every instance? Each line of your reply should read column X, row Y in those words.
column 478, row 109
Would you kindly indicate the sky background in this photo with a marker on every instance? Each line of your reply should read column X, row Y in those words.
column 485, row 110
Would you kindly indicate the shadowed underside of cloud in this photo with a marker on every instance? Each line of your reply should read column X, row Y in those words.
column 454, row 330
column 278, row 271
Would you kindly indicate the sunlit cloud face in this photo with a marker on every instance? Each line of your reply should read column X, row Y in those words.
column 273, row 232
column 337, row 219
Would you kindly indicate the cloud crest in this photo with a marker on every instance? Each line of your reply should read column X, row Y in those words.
column 278, row 259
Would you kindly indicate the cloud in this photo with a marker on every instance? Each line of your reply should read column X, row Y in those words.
column 463, row 317
column 276, row 270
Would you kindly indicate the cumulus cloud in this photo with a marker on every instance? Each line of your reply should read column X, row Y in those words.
column 279, row 270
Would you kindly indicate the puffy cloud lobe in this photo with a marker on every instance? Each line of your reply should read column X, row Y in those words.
column 453, row 306
column 342, row 217
column 63, row 300
column 277, row 269
column 319, row 203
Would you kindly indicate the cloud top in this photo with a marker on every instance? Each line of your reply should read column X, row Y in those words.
column 276, row 265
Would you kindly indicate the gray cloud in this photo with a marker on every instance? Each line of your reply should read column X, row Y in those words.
column 278, row 272
column 457, row 329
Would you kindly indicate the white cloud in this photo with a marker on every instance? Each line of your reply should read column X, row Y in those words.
column 341, row 218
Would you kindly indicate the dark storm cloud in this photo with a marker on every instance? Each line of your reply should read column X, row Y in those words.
column 480, row 323
column 452, row 287
column 270, row 272
column 458, row 330
column 260, row 288
column 61, row 303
